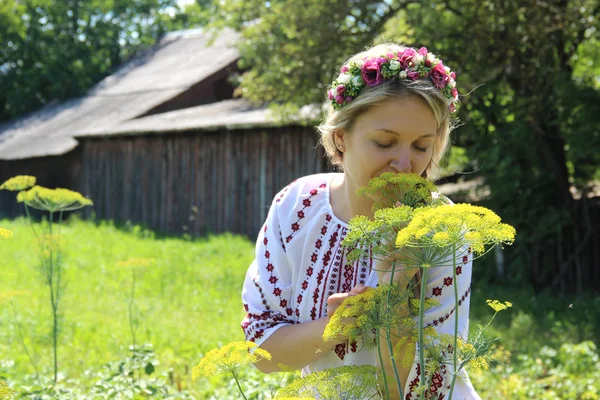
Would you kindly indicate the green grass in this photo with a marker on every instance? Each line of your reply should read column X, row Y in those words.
column 190, row 297
column 190, row 302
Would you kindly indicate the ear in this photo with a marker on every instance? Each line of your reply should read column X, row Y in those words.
column 338, row 137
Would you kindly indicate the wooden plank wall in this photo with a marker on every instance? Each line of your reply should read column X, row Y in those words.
column 197, row 182
column 52, row 171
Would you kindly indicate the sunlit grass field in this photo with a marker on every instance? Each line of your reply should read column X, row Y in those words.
column 189, row 299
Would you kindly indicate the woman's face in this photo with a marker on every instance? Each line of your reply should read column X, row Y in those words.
column 395, row 136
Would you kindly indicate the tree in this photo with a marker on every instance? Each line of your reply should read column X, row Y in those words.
column 531, row 106
column 54, row 50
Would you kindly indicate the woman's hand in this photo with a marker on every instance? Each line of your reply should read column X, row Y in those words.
column 335, row 301
column 401, row 275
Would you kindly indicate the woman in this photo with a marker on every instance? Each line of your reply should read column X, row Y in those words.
column 389, row 111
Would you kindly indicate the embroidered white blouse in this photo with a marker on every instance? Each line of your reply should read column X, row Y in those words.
column 300, row 263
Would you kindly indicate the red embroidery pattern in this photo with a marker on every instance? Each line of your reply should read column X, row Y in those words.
column 285, row 189
column 352, row 273
column 254, row 325
column 437, row 382
column 309, row 271
column 443, row 318
column 340, row 350
column 295, row 226
column 335, row 270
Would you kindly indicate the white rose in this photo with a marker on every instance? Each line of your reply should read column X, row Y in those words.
column 344, row 78
column 359, row 63
column 357, row 81
column 417, row 59
column 431, row 58
column 447, row 69
column 402, row 74
column 452, row 83
column 394, row 65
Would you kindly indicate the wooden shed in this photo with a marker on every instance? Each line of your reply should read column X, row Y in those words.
column 164, row 143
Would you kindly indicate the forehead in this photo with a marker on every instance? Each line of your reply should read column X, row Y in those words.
column 407, row 115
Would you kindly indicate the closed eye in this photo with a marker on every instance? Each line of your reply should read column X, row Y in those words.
column 384, row 145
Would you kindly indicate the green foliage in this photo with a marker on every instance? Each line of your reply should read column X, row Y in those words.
column 133, row 377
column 196, row 283
column 567, row 372
column 56, row 50
column 290, row 56
column 191, row 284
column 527, row 75
column 344, row 383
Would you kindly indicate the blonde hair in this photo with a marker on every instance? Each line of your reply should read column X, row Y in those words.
column 344, row 118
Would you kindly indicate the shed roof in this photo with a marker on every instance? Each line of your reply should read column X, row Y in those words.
column 227, row 114
column 172, row 66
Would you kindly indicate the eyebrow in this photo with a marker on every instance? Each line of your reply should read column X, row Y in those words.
column 394, row 132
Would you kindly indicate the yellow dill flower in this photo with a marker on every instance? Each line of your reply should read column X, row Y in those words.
column 50, row 241
column 53, row 200
column 501, row 354
column 339, row 323
column 466, row 350
column 7, row 296
column 409, row 353
column 347, row 382
column 478, row 364
column 18, row 183
column 415, row 304
column 441, row 238
column 136, row 262
column 359, row 315
column 390, row 188
column 5, row 234
column 459, row 225
column 6, row 393
column 229, row 358
column 497, row 305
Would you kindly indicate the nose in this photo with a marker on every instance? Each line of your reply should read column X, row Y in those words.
column 401, row 161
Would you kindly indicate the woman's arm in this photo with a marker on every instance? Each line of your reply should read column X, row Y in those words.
column 298, row 345
column 295, row 346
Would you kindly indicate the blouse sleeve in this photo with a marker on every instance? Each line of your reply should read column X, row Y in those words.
column 267, row 287
column 440, row 286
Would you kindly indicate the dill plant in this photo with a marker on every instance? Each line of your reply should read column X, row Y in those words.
column 52, row 201
column 413, row 229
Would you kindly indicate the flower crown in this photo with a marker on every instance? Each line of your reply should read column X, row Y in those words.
column 405, row 64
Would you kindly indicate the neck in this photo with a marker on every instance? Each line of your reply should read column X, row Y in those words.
column 354, row 205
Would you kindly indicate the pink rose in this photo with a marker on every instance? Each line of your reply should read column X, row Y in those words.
column 406, row 56
column 413, row 75
column 330, row 94
column 339, row 99
column 423, row 51
column 455, row 93
column 340, row 89
column 349, row 99
column 344, row 69
column 453, row 75
column 438, row 76
column 371, row 72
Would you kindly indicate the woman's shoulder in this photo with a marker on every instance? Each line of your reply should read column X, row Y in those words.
column 306, row 193
column 305, row 186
